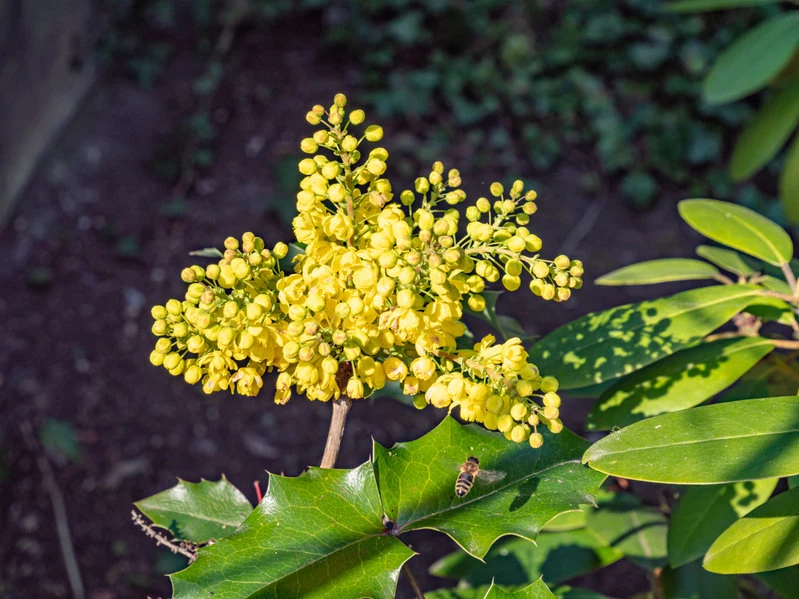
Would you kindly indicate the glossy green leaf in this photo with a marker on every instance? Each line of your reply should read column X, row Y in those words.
column 766, row 539
column 609, row 344
column 537, row 590
column 753, row 59
column 679, row 381
column 708, row 5
column 694, row 582
column 417, row 483
column 704, row 512
column 197, row 512
column 793, row 481
column 638, row 532
column 766, row 132
column 739, row 228
column 789, row 183
column 727, row 259
column 317, row 535
column 659, row 271
column 555, row 556
column 784, row 581
column 720, row 443
column 568, row 520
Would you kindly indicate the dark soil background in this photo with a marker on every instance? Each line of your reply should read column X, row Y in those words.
column 95, row 241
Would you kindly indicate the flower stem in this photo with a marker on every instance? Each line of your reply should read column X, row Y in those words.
column 340, row 409
column 412, row 580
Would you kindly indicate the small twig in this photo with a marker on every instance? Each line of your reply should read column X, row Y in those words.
column 60, row 514
column 412, row 581
column 785, row 343
column 790, row 278
column 725, row 335
column 186, row 549
column 340, row 409
column 723, row 279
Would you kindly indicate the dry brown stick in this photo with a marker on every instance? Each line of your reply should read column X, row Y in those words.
column 337, row 420
column 59, row 513
column 412, row 581
column 188, row 550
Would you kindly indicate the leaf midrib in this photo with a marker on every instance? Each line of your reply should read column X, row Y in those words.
column 757, row 233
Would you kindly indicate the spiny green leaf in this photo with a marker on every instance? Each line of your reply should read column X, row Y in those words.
column 417, row 483
column 789, row 183
column 739, row 228
column 753, row 59
column 694, row 582
column 766, row 133
column 727, row 259
column 317, row 535
column 197, row 512
column 679, row 381
column 766, row 539
column 708, row 5
column 554, row 556
column 721, row 443
column 704, row 512
column 609, row 344
column 659, row 271
column 638, row 532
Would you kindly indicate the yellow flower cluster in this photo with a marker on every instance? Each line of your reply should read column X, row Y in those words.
column 376, row 295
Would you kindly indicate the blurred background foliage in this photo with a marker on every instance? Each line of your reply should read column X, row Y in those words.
column 611, row 85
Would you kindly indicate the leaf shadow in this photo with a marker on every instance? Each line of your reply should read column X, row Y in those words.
column 526, row 490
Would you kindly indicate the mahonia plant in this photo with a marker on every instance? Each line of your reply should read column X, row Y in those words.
column 377, row 295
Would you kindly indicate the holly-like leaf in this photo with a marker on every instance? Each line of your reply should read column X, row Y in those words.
column 197, row 512
column 659, row 271
column 727, row 259
column 789, row 182
column 753, row 59
column 317, row 535
column 721, row 443
column 637, row 532
column 417, row 483
column 704, row 512
column 694, row 582
column 606, row 345
column 766, row 133
column 556, row 557
column 679, row 381
column 739, row 228
column 766, row 539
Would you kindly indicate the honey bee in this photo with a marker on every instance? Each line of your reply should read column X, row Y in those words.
column 468, row 475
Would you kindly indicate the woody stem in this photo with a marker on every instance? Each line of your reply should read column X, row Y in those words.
column 339, row 417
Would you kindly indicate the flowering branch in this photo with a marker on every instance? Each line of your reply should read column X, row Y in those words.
column 341, row 408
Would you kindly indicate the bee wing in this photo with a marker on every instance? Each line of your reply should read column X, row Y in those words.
column 491, row 476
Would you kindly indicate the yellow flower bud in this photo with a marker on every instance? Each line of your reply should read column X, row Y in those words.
column 374, row 133
column 549, row 384
column 520, row 433
column 518, row 411
column 536, row 440
column 357, row 116
column 511, row 283
column 505, row 423
column 496, row 189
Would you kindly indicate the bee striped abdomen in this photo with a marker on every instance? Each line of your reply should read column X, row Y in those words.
column 464, row 483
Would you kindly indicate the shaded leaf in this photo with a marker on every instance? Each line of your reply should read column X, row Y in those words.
column 766, row 132
column 739, row 228
column 60, row 437
column 567, row 592
column 727, row 259
column 606, row 345
column 417, row 481
column 567, row 520
column 319, row 534
column 766, row 539
column 197, row 512
column 784, row 581
column 537, row 590
column 555, row 556
column 727, row 442
column 694, row 582
column 638, row 532
column 753, row 59
column 704, row 512
column 659, row 271
column 679, row 381
column 789, row 183
column 708, row 5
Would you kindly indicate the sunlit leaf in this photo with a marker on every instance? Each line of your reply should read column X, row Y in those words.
column 659, row 271
column 766, row 132
column 708, row 5
column 753, row 59
column 555, row 556
column 694, row 582
column 739, row 228
column 727, row 259
column 606, row 345
column 789, row 182
column 704, row 512
column 417, row 483
column 766, row 539
column 638, row 532
column 679, row 381
column 197, row 512
column 728, row 442
column 319, row 533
